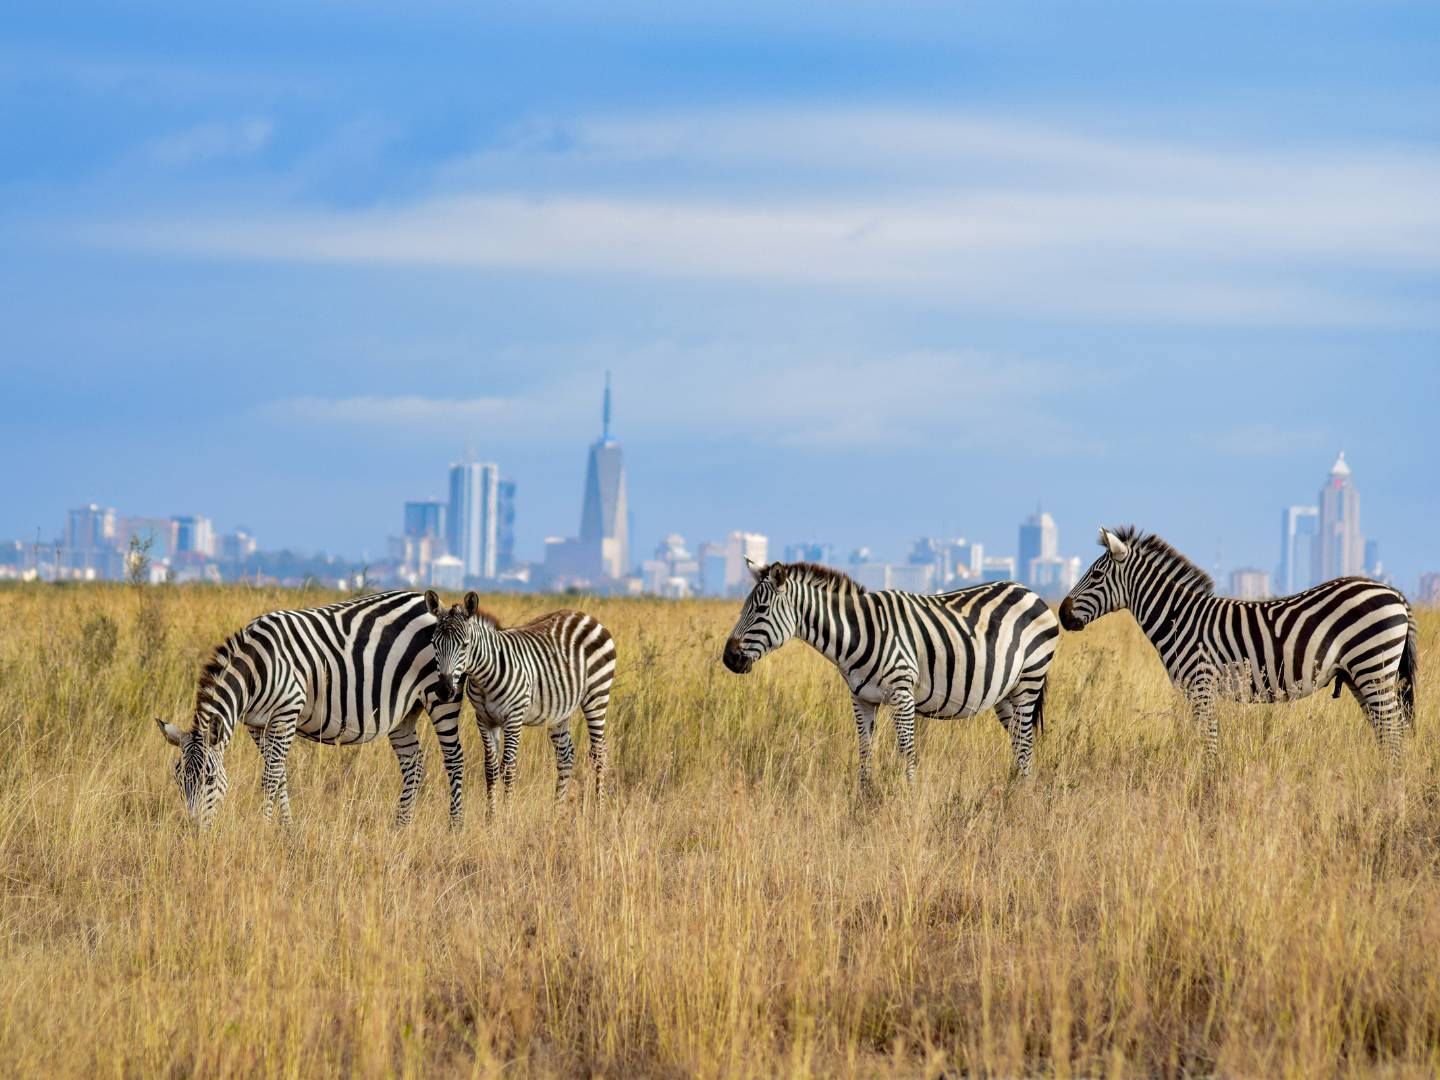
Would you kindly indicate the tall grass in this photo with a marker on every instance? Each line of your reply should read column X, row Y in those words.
column 732, row 909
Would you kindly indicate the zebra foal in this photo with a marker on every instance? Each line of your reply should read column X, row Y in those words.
column 951, row 654
column 538, row 673
column 1350, row 631
column 347, row 673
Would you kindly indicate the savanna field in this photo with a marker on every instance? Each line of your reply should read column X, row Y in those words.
column 731, row 908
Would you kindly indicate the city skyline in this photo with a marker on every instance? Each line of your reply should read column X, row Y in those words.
column 188, row 547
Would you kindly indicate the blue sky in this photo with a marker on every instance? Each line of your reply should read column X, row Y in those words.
column 860, row 275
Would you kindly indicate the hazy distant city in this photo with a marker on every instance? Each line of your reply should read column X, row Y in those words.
column 468, row 541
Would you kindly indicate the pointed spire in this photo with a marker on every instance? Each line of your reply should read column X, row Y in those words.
column 1340, row 468
column 606, row 435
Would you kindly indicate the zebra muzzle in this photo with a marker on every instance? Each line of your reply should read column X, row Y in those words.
column 736, row 660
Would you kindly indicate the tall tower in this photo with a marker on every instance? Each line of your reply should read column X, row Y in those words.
column 1298, row 527
column 473, row 518
column 1038, row 540
column 1340, row 548
column 605, row 514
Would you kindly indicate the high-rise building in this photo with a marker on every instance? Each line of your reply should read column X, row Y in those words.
column 1339, row 544
column 966, row 558
column 1054, row 577
column 90, row 528
column 824, row 554
column 1249, row 583
column 473, row 516
column 237, row 545
column 605, row 515
column 425, row 517
column 505, row 528
column 1373, row 566
column 194, row 535
column 1298, row 528
column 712, row 569
column 1039, row 539
column 741, row 549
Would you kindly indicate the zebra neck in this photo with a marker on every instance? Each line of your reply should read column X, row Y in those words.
column 223, row 697
column 487, row 655
column 825, row 619
column 1163, row 614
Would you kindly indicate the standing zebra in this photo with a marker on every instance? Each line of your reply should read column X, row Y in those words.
column 954, row 654
column 538, row 673
column 1352, row 631
column 346, row 673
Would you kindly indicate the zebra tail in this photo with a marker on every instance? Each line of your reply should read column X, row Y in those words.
column 1409, row 669
column 1038, row 716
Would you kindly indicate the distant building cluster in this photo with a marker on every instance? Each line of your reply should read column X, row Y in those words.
column 100, row 544
column 468, row 541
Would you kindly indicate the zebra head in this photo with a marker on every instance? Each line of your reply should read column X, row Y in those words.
column 451, row 639
column 766, row 622
column 200, row 772
column 1103, row 589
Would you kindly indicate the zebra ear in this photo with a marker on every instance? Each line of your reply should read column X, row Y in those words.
column 472, row 603
column 1118, row 548
column 778, row 572
column 173, row 735
column 432, row 602
column 756, row 571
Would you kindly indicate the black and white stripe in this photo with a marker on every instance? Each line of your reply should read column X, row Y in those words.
column 346, row 673
column 953, row 654
column 538, row 673
column 1351, row 632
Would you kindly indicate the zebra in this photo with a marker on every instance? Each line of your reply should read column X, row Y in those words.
column 1350, row 631
column 346, row 673
column 538, row 673
column 952, row 654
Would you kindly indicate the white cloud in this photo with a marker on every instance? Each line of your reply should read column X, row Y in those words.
column 953, row 209
column 928, row 399
column 212, row 141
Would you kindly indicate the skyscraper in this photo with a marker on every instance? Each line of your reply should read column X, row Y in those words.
column 474, row 506
column 505, row 528
column 1298, row 526
column 425, row 518
column 1339, row 545
column 1039, row 539
column 605, row 516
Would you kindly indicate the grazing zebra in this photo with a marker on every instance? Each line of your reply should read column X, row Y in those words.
column 954, row 654
column 345, row 673
column 1351, row 631
column 538, row 673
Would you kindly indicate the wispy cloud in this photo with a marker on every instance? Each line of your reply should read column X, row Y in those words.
column 956, row 210
column 212, row 141
column 924, row 399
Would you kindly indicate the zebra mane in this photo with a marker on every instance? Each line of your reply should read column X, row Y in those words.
column 212, row 675
column 815, row 574
column 1190, row 574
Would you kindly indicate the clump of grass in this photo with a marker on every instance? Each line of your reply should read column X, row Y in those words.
column 731, row 909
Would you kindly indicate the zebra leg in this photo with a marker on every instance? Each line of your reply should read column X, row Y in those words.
column 489, row 738
column 1382, row 704
column 864, row 732
column 1020, row 723
column 1201, row 694
column 512, row 747
column 903, row 702
column 411, row 757
column 274, row 750
column 564, row 759
column 445, row 719
column 258, row 734
column 594, row 713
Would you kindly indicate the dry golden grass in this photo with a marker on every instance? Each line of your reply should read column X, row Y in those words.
column 731, row 910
